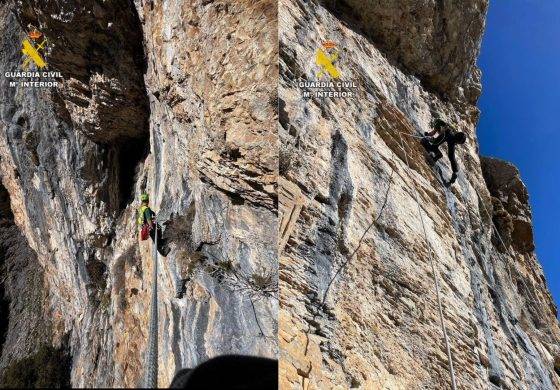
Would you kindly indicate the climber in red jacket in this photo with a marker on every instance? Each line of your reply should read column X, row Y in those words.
column 443, row 132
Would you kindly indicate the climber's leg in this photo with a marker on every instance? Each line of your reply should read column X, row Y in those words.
column 426, row 143
column 453, row 161
column 432, row 149
column 162, row 246
column 160, row 240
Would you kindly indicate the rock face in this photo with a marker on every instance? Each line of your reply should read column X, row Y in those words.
column 179, row 99
column 22, row 291
column 512, row 212
column 437, row 41
column 174, row 98
column 357, row 193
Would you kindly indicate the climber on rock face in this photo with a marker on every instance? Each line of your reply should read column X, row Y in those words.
column 443, row 132
column 148, row 225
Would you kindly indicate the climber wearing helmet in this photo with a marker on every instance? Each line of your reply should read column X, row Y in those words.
column 145, row 213
column 443, row 132
column 148, row 225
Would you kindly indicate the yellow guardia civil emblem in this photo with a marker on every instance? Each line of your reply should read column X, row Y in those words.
column 33, row 50
column 325, row 59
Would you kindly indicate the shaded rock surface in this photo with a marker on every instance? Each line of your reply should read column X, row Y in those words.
column 23, row 292
column 436, row 41
column 174, row 98
column 98, row 47
column 357, row 190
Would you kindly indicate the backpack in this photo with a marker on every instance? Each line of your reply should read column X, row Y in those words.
column 145, row 231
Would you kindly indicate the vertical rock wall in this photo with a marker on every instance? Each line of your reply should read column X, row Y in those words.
column 368, row 193
column 173, row 98
column 179, row 99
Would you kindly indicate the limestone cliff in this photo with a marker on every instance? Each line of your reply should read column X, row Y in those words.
column 356, row 190
column 177, row 99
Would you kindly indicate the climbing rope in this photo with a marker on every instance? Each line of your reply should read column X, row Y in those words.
column 152, row 354
column 151, row 368
column 432, row 261
column 348, row 259
column 410, row 135
column 345, row 263
column 435, row 272
column 495, row 228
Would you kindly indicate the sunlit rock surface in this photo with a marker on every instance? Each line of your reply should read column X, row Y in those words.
column 351, row 172
column 174, row 98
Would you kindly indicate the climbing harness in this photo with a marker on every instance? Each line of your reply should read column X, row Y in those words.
column 435, row 272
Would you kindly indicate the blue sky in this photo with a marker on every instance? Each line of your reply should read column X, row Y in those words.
column 520, row 104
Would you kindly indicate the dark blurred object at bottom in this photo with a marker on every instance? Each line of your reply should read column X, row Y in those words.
column 230, row 372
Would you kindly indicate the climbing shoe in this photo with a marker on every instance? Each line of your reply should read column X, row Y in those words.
column 451, row 180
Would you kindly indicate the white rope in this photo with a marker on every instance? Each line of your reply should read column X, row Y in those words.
column 152, row 354
column 349, row 258
column 151, row 368
column 436, row 278
column 411, row 135
column 495, row 228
